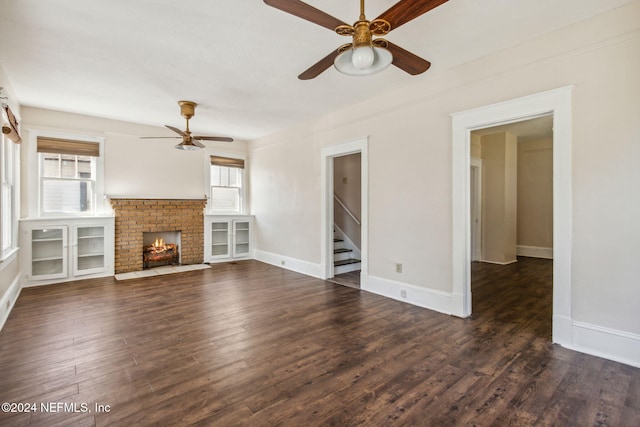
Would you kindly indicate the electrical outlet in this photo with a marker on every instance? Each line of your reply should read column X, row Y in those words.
column 403, row 293
column 398, row 268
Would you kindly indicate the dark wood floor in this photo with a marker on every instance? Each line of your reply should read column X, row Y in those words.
column 351, row 279
column 251, row 344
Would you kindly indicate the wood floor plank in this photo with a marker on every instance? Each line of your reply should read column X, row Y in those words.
column 246, row 343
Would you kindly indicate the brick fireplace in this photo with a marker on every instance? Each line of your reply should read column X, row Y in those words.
column 136, row 216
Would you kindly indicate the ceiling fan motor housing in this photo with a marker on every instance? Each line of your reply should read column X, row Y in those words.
column 361, row 35
column 187, row 109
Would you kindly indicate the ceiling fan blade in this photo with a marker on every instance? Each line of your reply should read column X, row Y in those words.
column 306, row 12
column 407, row 61
column 319, row 67
column 213, row 138
column 197, row 143
column 159, row 137
column 176, row 130
column 407, row 10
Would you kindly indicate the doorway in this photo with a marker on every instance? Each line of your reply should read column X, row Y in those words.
column 554, row 102
column 347, row 211
column 328, row 155
column 512, row 237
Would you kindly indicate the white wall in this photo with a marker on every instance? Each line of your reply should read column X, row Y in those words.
column 133, row 167
column 535, row 193
column 499, row 197
column 410, row 217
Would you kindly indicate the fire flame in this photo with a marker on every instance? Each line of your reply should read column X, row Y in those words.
column 159, row 246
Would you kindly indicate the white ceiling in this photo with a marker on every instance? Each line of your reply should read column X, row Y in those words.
column 239, row 60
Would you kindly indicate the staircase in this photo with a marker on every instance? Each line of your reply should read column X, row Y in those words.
column 345, row 255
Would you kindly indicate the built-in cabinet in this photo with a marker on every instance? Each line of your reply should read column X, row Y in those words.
column 56, row 250
column 227, row 237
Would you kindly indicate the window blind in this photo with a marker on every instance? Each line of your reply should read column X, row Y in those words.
column 68, row 146
column 227, row 161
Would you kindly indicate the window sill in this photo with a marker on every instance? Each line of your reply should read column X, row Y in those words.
column 8, row 257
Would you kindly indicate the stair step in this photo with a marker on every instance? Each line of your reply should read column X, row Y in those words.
column 341, row 250
column 340, row 254
column 338, row 244
column 345, row 262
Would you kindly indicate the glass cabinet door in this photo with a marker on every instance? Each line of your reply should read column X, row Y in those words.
column 241, row 240
column 49, row 252
column 89, row 247
column 220, row 239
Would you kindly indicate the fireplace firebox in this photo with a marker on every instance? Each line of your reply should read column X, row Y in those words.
column 160, row 248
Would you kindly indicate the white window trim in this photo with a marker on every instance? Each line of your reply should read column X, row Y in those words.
column 35, row 197
column 10, row 253
column 207, row 182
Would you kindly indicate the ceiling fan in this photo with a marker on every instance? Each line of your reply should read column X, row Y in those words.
column 189, row 142
column 364, row 55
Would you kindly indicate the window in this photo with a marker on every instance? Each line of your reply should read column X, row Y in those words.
column 227, row 176
column 68, row 175
column 9, row 171
column 8, row 216
column 7, row 194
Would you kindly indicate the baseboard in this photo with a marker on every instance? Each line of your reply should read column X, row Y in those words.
column 25, row 283
column 228, row 259
column 8, row 300
column 498, row 262
column 427, row 298
column 612, row 344
column 534, row 252
column 293, row 264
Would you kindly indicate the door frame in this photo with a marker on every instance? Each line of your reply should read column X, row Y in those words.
column 559, row 103
column 328, row 153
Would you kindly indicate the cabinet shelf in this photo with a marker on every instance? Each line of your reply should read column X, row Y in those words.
column 90, row 255
column 51, row 258
column 51, row 239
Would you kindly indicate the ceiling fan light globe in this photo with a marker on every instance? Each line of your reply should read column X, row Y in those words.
column 382, row 58
column 187, row 146
column 362, row 57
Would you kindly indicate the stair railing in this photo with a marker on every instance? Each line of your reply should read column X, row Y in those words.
column 337, row 199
